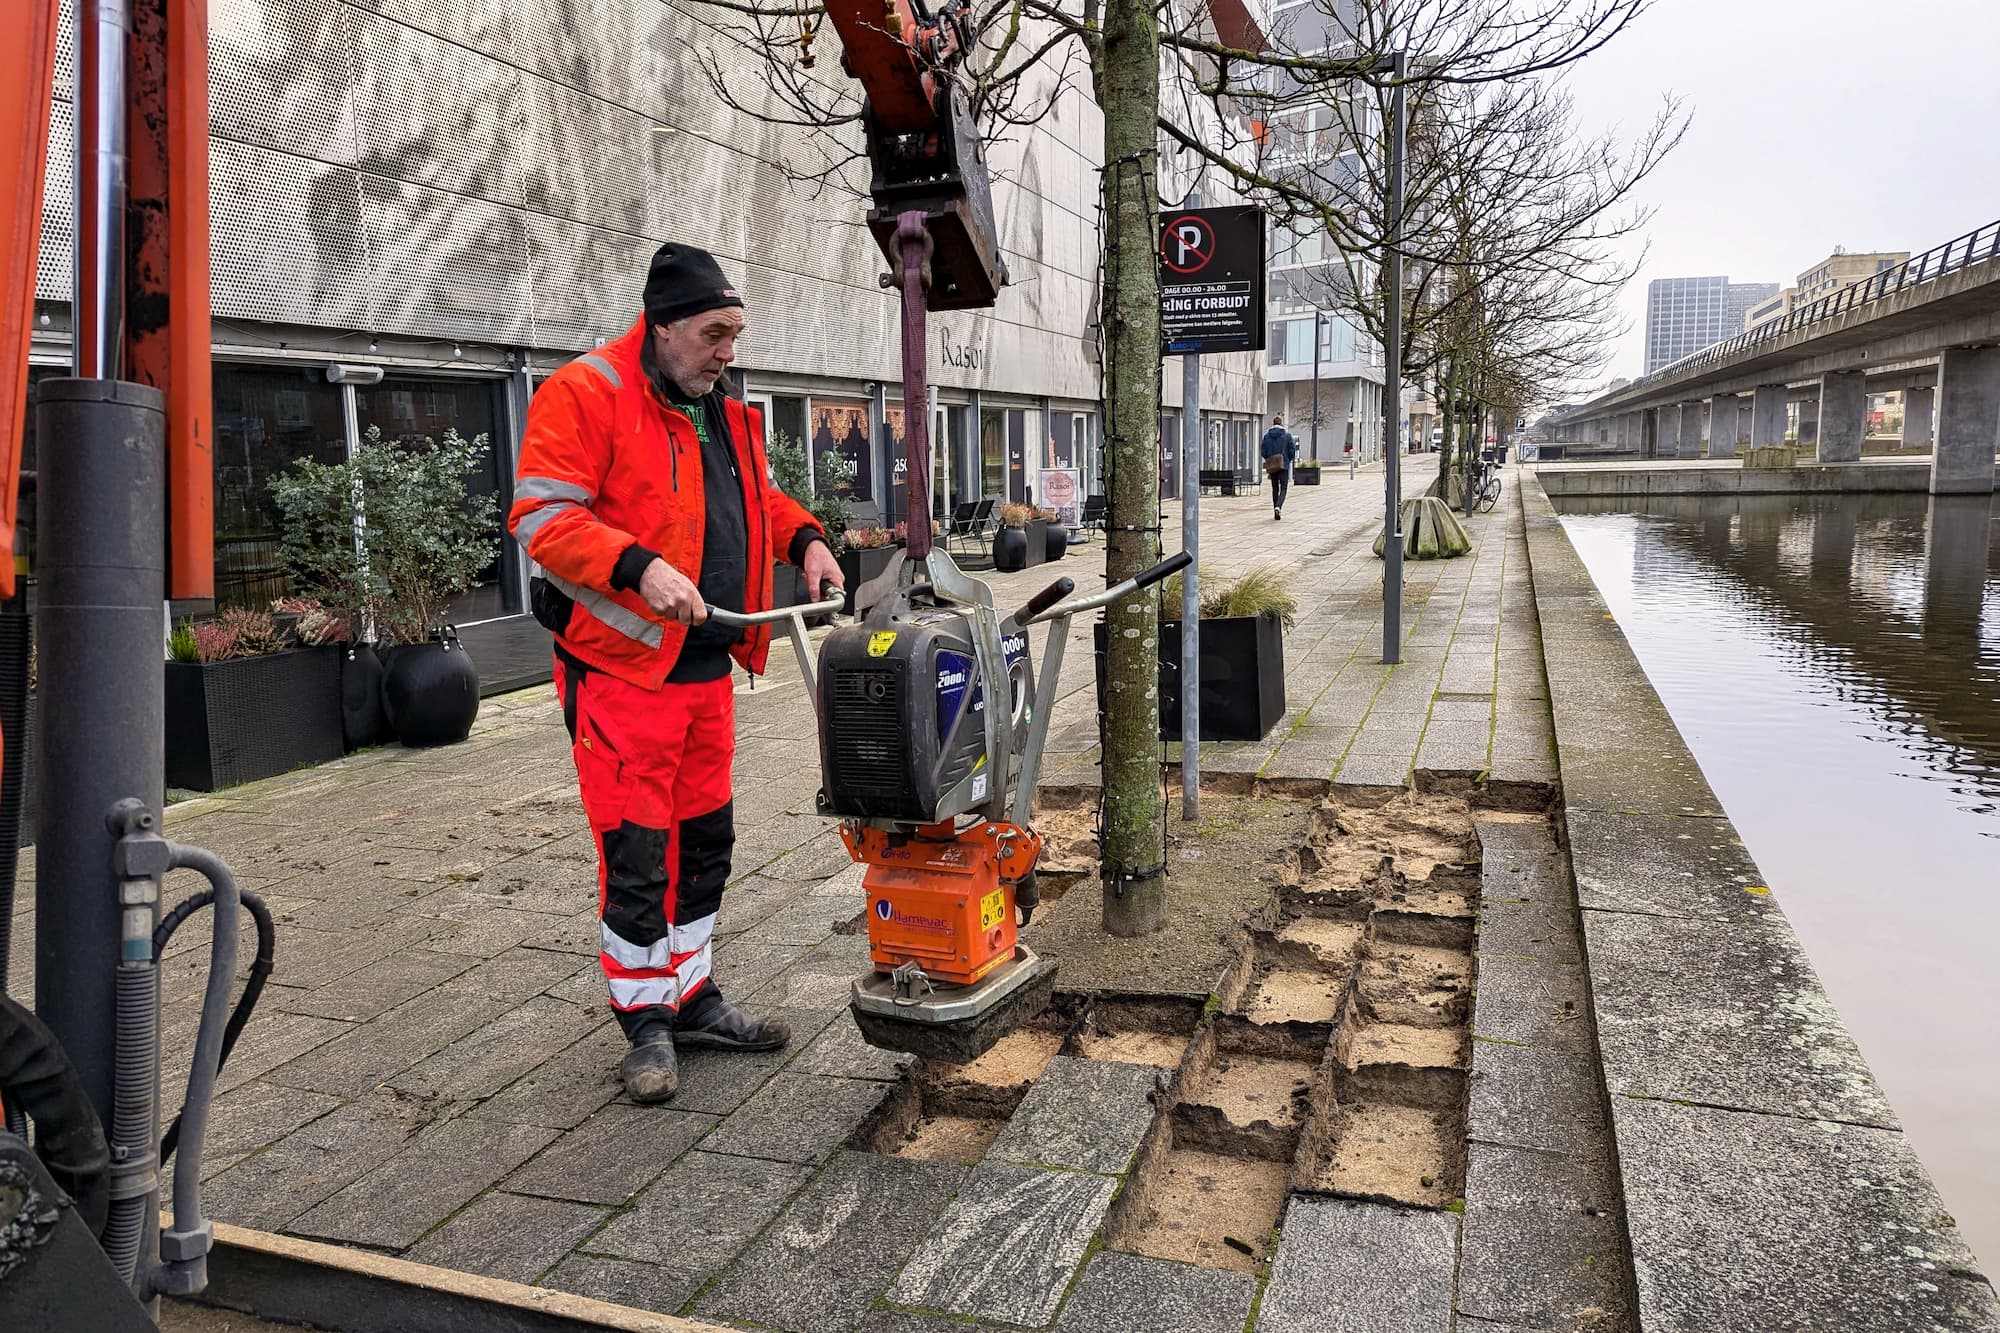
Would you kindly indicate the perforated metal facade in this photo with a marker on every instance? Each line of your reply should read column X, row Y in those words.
column 498, row 172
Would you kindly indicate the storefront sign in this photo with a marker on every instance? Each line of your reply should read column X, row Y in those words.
column 1212, row 280
column 1059, row 492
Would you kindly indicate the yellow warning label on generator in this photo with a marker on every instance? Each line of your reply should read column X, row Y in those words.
column 991, row 907
column 880, row 642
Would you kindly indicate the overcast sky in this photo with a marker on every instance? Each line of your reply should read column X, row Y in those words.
column 1816, row 123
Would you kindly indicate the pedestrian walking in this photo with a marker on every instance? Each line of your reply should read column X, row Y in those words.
column 644, row 497
column 1279, row 451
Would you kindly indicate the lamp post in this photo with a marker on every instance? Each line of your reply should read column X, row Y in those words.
column 1317, row 317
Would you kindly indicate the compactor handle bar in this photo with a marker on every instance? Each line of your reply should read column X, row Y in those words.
column 794, row 620
column 1039, row 607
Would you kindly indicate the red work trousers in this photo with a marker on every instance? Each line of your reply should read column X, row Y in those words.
column 653, row 766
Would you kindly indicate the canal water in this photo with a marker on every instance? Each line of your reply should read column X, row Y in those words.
column 1834, row 664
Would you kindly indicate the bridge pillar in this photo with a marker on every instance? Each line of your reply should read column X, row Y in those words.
column 1722, row 432
column 1918, row 408
column 1808, row 422
column 1689, row 443
column 1843, row 416
column 1667, row 431
column 1968, row 421
column 1767, row 415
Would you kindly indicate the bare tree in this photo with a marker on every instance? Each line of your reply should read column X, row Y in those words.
column 1162, row 72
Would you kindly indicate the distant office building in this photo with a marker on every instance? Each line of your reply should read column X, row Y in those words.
column 1828, row 276
column 1684, row 315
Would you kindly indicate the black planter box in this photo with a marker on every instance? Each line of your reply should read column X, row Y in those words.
column 1305, row 476
column 1242, row 677
column 250, row 718
column 858, row 567
column 1034, row 536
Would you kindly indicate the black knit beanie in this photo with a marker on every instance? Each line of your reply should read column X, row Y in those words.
column 685, row 281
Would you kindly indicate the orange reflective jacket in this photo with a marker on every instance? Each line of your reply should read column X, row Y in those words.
column 606, row 465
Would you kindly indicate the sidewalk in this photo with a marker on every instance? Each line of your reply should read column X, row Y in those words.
column 432, row 1072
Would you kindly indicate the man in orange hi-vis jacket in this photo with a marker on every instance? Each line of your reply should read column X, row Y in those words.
column 644, row 497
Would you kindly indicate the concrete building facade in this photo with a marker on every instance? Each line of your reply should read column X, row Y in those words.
column 468, row 194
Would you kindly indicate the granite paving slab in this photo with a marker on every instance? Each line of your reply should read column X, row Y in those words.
column 508, row 1236
column 1532, row 1096
column 1006, row 1247
column 1539, row 1243
column 613, row 1155
column 1662, row 866
column 1088, row 1115
column 435, row 1175
column 831, row 1252
column 1532, row 1002
column 1128, row 1293
column 796, row 1118
column 372, row 1052
column 1748, row 1221
column 267, row 1190
column 567, row 1088
column 1542, row 930
column 1349, row 1267
column 644, row 1286
column 488, row 1059
column 701, row 1212
column 1725, row 1013
column 248, row 1117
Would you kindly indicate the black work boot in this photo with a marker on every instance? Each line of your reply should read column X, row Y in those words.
column 710, row 1021
column 649, row 1070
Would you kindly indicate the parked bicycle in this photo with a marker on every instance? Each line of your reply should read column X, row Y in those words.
column 1483, row 483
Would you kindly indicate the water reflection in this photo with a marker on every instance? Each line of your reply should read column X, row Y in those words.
column 1834, row 664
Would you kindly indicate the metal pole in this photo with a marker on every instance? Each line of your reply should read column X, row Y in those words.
column 102, row 563
column 1392, row 391
column 1191, row 443
column 104, row 31
column 1315, row 416
column 915, row 241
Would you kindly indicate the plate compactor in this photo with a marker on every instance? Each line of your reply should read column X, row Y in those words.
column 930, row 742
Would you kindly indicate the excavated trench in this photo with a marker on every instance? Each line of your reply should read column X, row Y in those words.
column 1332, row 1058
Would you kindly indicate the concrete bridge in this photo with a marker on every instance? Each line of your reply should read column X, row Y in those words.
column 1929, row 327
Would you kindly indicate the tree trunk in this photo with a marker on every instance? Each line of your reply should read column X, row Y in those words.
column 1127, row 74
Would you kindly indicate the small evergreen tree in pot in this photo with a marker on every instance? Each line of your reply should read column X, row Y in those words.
column 387, row 539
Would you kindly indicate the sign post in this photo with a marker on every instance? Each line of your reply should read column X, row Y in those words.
column 1211, row 300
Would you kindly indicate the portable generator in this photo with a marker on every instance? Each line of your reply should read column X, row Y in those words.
column 932, row 776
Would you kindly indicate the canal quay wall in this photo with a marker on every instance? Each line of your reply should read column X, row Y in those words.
column 1766, row 1182
column 1727, row 476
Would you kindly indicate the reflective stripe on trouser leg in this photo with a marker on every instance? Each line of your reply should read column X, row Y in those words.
column 659, row 804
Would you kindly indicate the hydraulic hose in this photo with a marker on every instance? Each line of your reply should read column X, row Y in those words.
column 134, row 1112
column 36, row 1077
column 246, row 1003
column 184, row 1249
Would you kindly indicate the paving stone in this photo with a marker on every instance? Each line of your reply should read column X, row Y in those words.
column 1006, row 1247
column 1539, row 1243
column 1725, row 1013
column 840, row 1050
column 1374, row 770
column 508, row 1236
column 808, row 920
column 269, row 1040
column 622, row 1282
column 487, row 1060
column 1663, row 866
column 613, row 1155
column 255, row 1114
column 378, row 987
column 431, row 1178
column 380, row 1049
column 574, row 934
column 1746, row 1221
column 831, row 1252
column 519, row 973
column 1345, row 1267
column 1533, row 1097
column 1526, row 929
column 796, row 1118
column 1126, row 1293
column 717, row 1082
column 1532, row 1002
column 705, row 1209
column 741, row 966
column 1088, row 1115
column 566, row 1089
column 267, row 1190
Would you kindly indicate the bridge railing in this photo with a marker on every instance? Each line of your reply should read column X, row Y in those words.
column 1975, row 247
